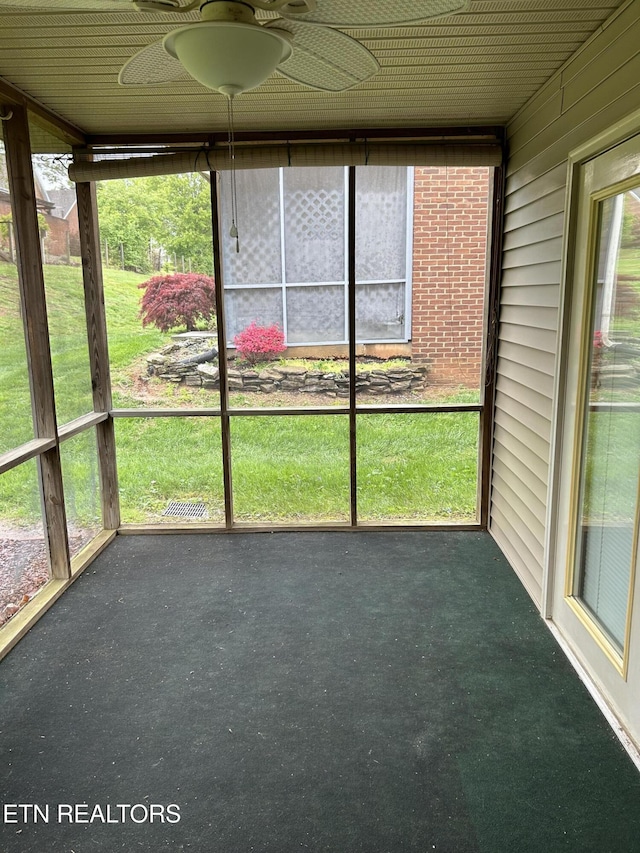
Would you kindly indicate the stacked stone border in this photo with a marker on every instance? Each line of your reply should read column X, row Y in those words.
column 169, row 365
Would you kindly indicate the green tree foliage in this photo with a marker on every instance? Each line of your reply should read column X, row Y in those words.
column 631, row 228
column 128, row 216
column 53, row 169
column 187, row 223
column 171, row 211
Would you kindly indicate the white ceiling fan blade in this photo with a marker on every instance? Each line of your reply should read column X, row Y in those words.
column 364, row 13
column 70, row 5
column 325, row 59
column 152, row 66
column 91, row 5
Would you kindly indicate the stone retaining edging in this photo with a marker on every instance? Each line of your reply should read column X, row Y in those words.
column 292, row 379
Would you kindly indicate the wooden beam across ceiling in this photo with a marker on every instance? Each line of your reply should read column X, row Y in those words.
column 41, row 115
column 468, row 133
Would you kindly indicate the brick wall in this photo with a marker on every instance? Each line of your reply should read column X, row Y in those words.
column 57, row 237
column 56, row 242
column 449, row 269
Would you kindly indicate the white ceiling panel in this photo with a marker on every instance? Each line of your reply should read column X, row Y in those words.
column 477, row 67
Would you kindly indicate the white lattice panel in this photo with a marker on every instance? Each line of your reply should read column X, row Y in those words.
column 314, row 224
column 258, row 221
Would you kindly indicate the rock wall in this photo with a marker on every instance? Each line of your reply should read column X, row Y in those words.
column 168, row 365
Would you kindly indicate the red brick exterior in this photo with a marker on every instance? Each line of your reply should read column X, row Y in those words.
column 56, row 241
column 449, row 271
column 61, row 238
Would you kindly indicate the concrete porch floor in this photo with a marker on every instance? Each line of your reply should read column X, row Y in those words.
column 339, row 692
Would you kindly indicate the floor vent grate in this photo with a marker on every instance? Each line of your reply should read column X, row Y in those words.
column 186, row 510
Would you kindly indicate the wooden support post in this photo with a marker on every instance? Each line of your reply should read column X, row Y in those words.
column 491, row 344
column 34, row 312
column 351, row 246
column 222, row 351
column 98, row 351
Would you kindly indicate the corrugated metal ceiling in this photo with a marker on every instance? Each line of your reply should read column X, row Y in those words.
column 478, row 67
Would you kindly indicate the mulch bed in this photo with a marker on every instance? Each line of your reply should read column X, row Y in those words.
column 24, row 566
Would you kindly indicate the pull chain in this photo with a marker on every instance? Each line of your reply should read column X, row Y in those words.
column 233, row 231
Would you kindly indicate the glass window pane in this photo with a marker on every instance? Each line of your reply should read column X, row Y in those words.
column 314, row 217
column 80, row 477
column 418, row 468
column 24, row 561
column 315, row 314
column 608, row 516
column 258, row 223
column 611, row 466
column 157, row 245
column 381, row 223
column 16, row 425
column 172, row 466
column 380, row 311
column 247, row 305
column 290, row 469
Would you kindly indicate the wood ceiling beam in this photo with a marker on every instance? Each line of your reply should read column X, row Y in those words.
column 482, row 132
column 41, row 115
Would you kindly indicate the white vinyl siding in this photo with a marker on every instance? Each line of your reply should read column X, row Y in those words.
column 597, row 87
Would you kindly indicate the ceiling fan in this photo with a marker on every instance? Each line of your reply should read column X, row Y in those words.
column 230, row 51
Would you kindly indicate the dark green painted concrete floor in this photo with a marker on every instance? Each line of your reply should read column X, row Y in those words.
column 339, row 692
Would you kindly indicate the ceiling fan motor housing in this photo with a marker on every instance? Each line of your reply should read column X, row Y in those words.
column 228, row 50
column 227, row 10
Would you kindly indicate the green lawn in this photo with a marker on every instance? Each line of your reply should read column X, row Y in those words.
column 414, row 467
column 15, row 406
column 629, row 263
column 69, row 349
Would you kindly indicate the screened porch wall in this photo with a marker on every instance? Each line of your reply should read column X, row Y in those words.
column 290, row 267
column 597, row 87
column 450, row 217
column 421, row 259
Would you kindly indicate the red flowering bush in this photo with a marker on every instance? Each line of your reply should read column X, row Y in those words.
column 256, row 343
column 180, row 299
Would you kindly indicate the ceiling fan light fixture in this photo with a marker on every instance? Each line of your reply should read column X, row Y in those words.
column 228, row 56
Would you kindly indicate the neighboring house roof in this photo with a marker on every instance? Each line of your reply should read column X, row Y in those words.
column 45, row 201
column 65, row 200
column 42, row 205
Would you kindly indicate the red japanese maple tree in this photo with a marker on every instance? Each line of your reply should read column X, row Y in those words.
column 179, row 299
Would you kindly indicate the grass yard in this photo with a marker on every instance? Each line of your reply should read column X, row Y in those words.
column 15, row 399
column 69, row 348
column 411, row 467
column 295, row 468
column 629, row 264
